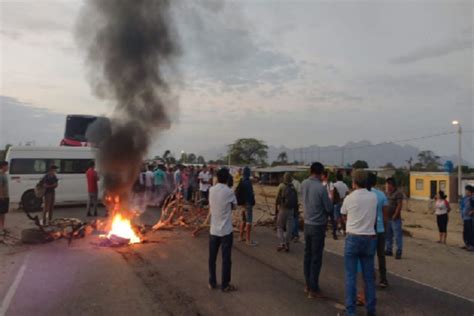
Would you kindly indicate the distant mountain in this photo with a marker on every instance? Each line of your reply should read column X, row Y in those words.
column 376, row 155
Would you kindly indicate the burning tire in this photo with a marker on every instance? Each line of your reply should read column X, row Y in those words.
column 34, row 236
column 30, row 202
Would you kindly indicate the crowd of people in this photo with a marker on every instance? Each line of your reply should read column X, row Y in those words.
column 157, row 181
column 369, row 218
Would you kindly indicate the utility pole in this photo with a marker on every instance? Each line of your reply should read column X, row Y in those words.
column 342, row 156
column 456, row 123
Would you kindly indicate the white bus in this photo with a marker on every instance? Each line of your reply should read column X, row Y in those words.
column 27, row 165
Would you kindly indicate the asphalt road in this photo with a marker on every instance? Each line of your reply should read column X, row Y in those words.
column 169, row 277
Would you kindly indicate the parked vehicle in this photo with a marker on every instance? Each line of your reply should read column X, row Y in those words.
column 75, row 130
column 27, row 165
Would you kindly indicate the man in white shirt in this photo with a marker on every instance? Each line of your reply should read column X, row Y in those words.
column 339, row 193
column 360, row 209
column 205, row 179
column 221, row 202
column 330, row 188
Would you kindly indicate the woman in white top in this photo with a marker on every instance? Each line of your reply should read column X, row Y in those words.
column 442, row 209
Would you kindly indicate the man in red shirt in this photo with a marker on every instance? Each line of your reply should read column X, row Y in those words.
column 92, row 188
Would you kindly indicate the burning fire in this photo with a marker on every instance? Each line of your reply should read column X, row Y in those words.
column 121, row 227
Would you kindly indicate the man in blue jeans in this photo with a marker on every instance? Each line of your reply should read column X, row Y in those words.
column 221, row 202
column 317, row 207
column 360, row 210
column 394, row 224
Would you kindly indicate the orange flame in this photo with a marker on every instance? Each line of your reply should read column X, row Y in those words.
column 122, row 227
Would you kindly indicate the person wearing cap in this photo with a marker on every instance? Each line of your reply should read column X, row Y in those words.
column 50, row 183
column 360, row 211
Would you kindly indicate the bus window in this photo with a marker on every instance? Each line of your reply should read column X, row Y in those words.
column 28, row 166
column 74, row 165
column 55, row 162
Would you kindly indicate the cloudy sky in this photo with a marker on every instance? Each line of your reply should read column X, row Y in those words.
column 292, row 73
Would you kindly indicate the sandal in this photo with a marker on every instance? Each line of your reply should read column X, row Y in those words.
column 229, row 288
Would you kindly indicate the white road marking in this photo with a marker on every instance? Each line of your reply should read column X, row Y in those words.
column 416, row 281
column 12, row 290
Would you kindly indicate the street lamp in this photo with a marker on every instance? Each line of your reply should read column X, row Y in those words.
column 456, row 123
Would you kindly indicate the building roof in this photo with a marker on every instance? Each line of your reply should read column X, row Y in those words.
column 282, row 169
column 426, row 173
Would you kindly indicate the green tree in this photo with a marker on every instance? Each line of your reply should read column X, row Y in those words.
column 429, row 161
column 201, row 160
column 184, row 158
column 283, row 157
column 389, row 165
column 360, row 164
column 166, row 156
column 248, row 151
column 192, row 158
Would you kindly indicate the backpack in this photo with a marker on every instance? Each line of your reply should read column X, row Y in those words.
column 336, row 197
column 240, row 193
column 289, row 197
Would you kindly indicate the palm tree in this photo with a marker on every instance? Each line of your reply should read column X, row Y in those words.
column 283, row 157
column 167, row 156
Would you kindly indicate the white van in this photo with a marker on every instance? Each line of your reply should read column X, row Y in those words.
column 27, row 165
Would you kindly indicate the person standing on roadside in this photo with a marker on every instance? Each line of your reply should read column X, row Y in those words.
column 4, row 195
column 170, row 185
column 295, row 235
column 442, row 209
column 160, row 181
column 221, row 201
column 317, row 207
column 92, row 188
column 382, row 210
column 339, row 193
column 50, row 183
column 185, row 182
column 247, row 208
column 330, row 188
column 286, row 206
column 191, row 184
column 394, row 224
column 360, row 210
column 467, row 215
column 205, row 180
column 149, row 186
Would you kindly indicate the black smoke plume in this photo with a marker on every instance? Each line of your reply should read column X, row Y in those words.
column 130, row 47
